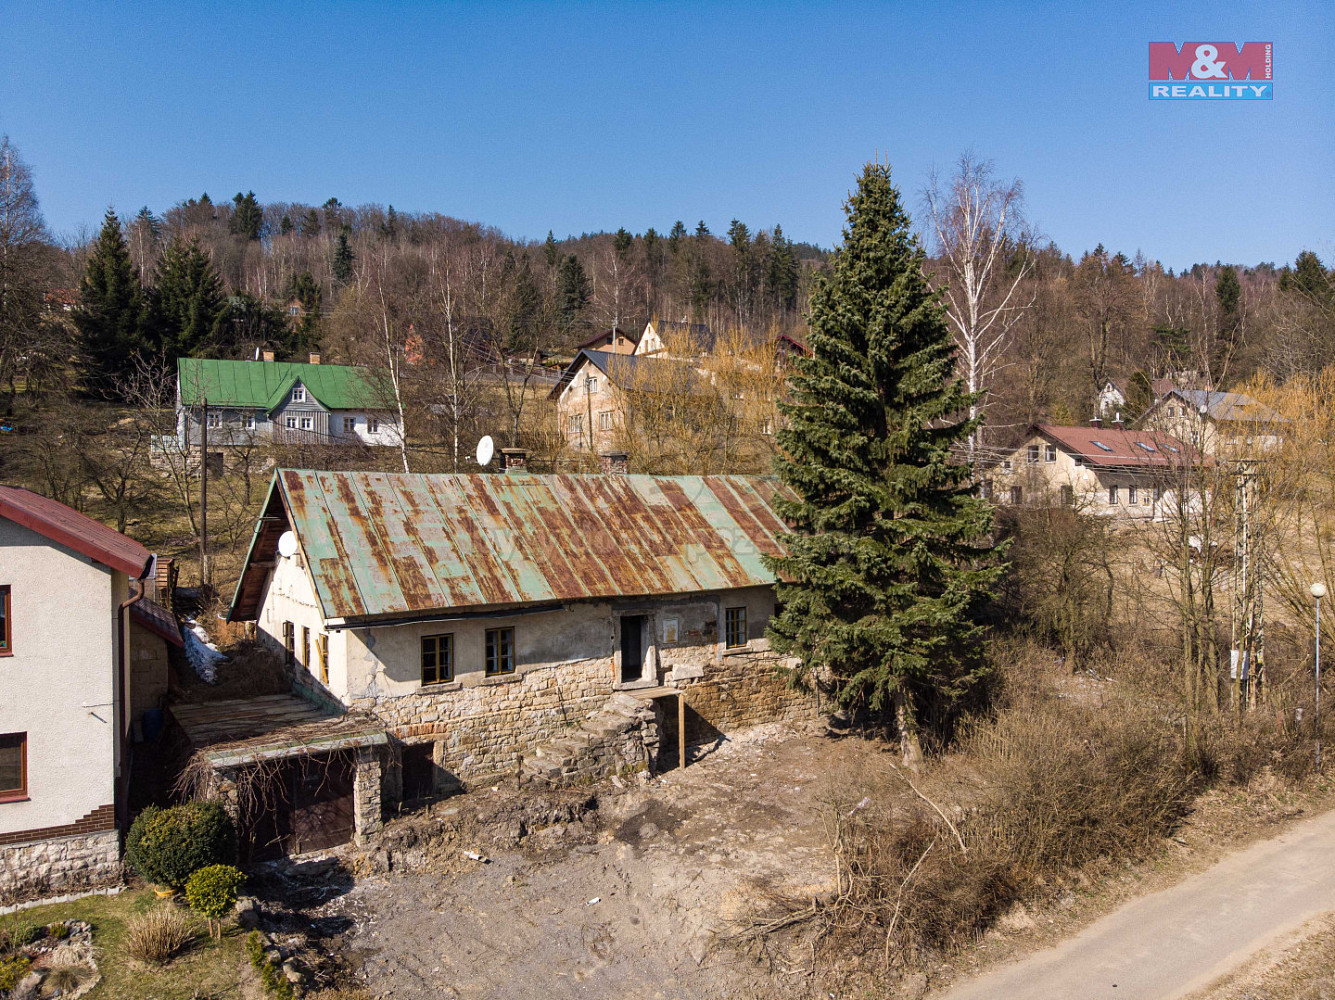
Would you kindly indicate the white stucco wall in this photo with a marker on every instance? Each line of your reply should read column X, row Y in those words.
column 289, row 597
column 63, row 609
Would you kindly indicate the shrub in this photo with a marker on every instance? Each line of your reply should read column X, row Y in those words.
column 25, row 934
column 60, row 931
column 12, row 971
column 167, row 845
column 211, row 892
column 157, row 936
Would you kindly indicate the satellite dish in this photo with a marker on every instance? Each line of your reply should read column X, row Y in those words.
column 485, row 450
column 287, row 545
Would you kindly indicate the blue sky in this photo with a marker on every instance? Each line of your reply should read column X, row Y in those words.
column 581, row 117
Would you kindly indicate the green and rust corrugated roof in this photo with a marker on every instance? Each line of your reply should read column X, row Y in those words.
column 265, row 384
column 395, row 545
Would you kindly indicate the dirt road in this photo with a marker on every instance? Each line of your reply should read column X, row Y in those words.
column 1174, row 942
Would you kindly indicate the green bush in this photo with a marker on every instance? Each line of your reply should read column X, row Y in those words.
column 166, row 846
column 12, row 970
column 26, row 934
column 211, row 891
column 60, row 931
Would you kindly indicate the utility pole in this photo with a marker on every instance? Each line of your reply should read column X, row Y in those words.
column 1248, row 646
column 203, row 496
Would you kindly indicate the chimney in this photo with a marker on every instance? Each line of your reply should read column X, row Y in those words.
column 266, row 355
column 315, row 358
column 1096, row 423
column 514, row 459
column 1117, row 421
column 613, row 463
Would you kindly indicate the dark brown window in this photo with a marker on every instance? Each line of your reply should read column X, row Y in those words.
column 734, row 630
column 500, row 651
column 13, row 766
column 322, row 651
column 6, row 634
column 290, row 640
column 305, row 646
column 1017, row 494
column 1068, row 495
column 1112, row 494
column 438, row 658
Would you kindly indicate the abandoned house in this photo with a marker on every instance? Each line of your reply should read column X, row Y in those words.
column 493, row 622
column 599, row 392
column 82, row 659
column 1223, row 424
column 247, row 403
column 1105, row 470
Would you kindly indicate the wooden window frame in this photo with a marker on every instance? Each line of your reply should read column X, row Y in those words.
column 1031, row 454
column 499, row 652
column 733, row 619
column 372, row 425
column 1113, row 494
column 19, row 794
column 290, row 641
column 1132, row 496
column 322, row 655
column 7, row 626
column 349, row 425
column 440, row 645
column 305, row 645
column 1050, row 453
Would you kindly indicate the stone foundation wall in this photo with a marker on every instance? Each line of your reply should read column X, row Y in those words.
column 486, row 729
column 744, row 690
column 59, row 866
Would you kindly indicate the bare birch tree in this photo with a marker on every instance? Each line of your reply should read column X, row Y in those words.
column 980, row 236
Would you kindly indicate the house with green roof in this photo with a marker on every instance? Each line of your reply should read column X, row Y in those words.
column 256, row 402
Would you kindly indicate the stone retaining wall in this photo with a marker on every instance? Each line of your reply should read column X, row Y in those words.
column 744, row 690
column 56, row 867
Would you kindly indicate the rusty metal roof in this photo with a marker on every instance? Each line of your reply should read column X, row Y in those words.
column 79, row 532
column 387, row 544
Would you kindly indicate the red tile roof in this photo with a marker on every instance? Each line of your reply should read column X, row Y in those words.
column 77, row 531
column 1109, row 446
column 158, row 620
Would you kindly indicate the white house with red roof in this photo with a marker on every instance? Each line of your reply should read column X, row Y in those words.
column 1097, row 468
column 69, row 587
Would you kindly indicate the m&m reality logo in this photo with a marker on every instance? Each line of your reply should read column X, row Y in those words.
column 1211, row 71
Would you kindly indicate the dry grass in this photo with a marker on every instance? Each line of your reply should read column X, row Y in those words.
column 158, row 936
column 1296, row 969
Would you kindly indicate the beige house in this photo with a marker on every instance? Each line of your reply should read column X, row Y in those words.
column 1105, row 470
column 598, row 388
column 486, row 618
column 78, row 669
column 675, row 339
column 1222, row 424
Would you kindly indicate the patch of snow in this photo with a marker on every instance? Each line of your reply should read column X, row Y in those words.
column 200, row 650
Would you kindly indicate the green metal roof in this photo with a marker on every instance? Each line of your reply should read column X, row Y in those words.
column 265, row 384
column 389, row 544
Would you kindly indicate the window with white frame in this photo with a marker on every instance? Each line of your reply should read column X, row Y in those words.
column 307, row 423
column 299, row 394
column 1112, row 495
column 372, row 425
column 250, row 421
column 605, row 420
column 1050, row 455
column 591, row 384
column 290, row 423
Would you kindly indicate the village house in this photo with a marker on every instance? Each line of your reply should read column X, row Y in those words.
column 245, row 403
column 597, row 390
column 615, row 341
column 494, row 622
column 675, row 339
column 1098, row 469
column 83, row 665
column 1222, row 424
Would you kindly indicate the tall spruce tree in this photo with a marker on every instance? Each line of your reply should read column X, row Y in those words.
column 111, row 315
column 188, row 302
column 341, row 268
column 889, row 558
column 247, row 217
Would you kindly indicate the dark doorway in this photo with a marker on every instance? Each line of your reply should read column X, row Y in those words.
column 304, row 805
column 419, row 771
column 632, row 648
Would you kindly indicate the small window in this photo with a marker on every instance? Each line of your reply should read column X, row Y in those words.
column 322, row 654
column 734, row 633
column 294, row 310
column 6, row 627
column 605, row 420
column 1131, row 495
column 591, row 384
column 1068, row 495
column 1145, row 445
column 500, row 651
column 767, row 426
column 1112, row 495
column 306, row 423
column 1006, row 465
column 1172, row 411
column 1144, row 498
column 577, row 423
column 372, row 425
column 214, row 419
column 1050, row 453
column 438, row 658
column 290, row 423
column 299, row 394
column 671, row 631
column 1158, row 493
column 305, row 646
column 290, row 640
column 1100, row 444
column 349, row 425
column 13, row 766
column 1017, row 495
column 250, row 421
column 1033, row 454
